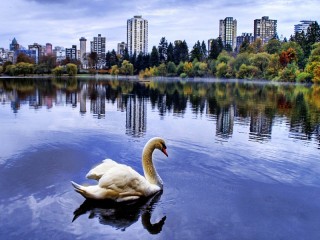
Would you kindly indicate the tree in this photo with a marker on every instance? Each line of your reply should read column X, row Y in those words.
column 154, row 57
column 273, row 46
column 162, row 69
column 22, row 57
column 170, row 54
column 93, row 60
column 57, row 71
column 196, row 52
column 115, row 70
column 162, row 49
column 215, row 48
column 171, row 69
column 71, row 69
column 312, row 36
column 204, row 51
column 126, row 68
column 261, row 61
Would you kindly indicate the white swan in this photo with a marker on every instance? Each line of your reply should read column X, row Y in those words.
column 120, row 182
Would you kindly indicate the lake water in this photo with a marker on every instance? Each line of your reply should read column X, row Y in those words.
column 243, row 158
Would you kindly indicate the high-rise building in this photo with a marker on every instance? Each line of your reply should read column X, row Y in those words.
column 14, row 45
column 121, row 47
column 265, row 29
column 98, row 45
column 83, row 48
column 244, row 37
column 71, row 53
column 137, row 35
column 302, row 26
column 228, row 32
column 40, row 51
column 48, row 49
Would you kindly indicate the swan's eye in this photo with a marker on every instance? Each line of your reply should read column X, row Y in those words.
column 164, row 146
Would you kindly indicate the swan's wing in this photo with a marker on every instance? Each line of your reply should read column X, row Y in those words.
column 97, row 172
column 127, row 183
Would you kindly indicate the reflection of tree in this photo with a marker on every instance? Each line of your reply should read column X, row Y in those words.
column 123, row 215
column 254, row 102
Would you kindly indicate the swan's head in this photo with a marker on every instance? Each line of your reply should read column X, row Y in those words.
column 160, row 144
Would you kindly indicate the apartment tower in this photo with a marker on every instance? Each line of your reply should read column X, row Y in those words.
column 265, row 29
column 228, row 32
column 137, row 35
column 83, row 48
column 98, row 45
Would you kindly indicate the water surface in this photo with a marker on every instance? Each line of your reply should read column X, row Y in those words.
column 243, row 158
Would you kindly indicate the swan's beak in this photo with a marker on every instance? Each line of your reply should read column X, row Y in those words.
column 164, row 151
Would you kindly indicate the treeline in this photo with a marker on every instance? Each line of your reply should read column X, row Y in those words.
column 295, row 60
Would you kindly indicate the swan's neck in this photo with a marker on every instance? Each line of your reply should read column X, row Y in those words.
column 150, row 172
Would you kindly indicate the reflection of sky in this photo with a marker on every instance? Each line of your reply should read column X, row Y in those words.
column 243, row 181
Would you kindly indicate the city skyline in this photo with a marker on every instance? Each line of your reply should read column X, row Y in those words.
column 63, row 22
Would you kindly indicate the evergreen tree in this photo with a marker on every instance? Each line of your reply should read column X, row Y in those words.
column 125, row 55
column 170, row 54
column 154, row 57
column 184, row 54
column 215, row 49
column 162, row 49
column 204, row 51
column 176, row 52
column 146, row 61
column 133, row 58
column 312, row 36
column 139, row 64
column 196, row 52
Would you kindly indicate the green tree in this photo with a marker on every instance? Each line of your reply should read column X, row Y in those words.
column 242, row 58
column 312, row 36
column 58, row 71
column 170, row 54
column 115, row 70
column 215, row 48
column 162, row 70
column 126, row 68
column 261, row 61
column 154, row 57
column 171, row 69
column 71, row 69
column 273, row 46
column 196, row 52
column 162, row 50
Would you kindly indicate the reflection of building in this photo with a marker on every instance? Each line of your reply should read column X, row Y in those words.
column 260, row 125
column 71, row 98
column 228, row 32
column 136, row 115
column 35, row 100
column 225, row 122
column 83, row 99
column 265, row 29
column 137, row 35
column 98, row 101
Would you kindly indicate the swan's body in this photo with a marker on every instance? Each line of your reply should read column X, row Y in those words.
column 120, row 182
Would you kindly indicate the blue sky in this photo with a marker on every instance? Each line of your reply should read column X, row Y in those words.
column 63, row 22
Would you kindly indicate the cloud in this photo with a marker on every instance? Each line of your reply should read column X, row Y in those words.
column 63, row 22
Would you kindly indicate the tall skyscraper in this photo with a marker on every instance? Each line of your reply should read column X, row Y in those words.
column 302, row 26
column 83, row 48
column 137, row 35
column 265, row 29
column 71, row 53
column 98, row 45
column 228, row 32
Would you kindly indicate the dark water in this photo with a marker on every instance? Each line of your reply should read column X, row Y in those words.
column 243, row 158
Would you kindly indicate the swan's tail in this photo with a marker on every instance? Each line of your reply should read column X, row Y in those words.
column 79, row 189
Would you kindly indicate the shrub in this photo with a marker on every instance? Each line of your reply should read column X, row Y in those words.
column 171, row 69
column 183, row 75
column 58, row 71
column 223, row 70
column 289, row 73
column 304, row 77
column 247, row 72
column 71, row 69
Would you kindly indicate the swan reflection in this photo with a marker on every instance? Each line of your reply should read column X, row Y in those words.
column 123, row 215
